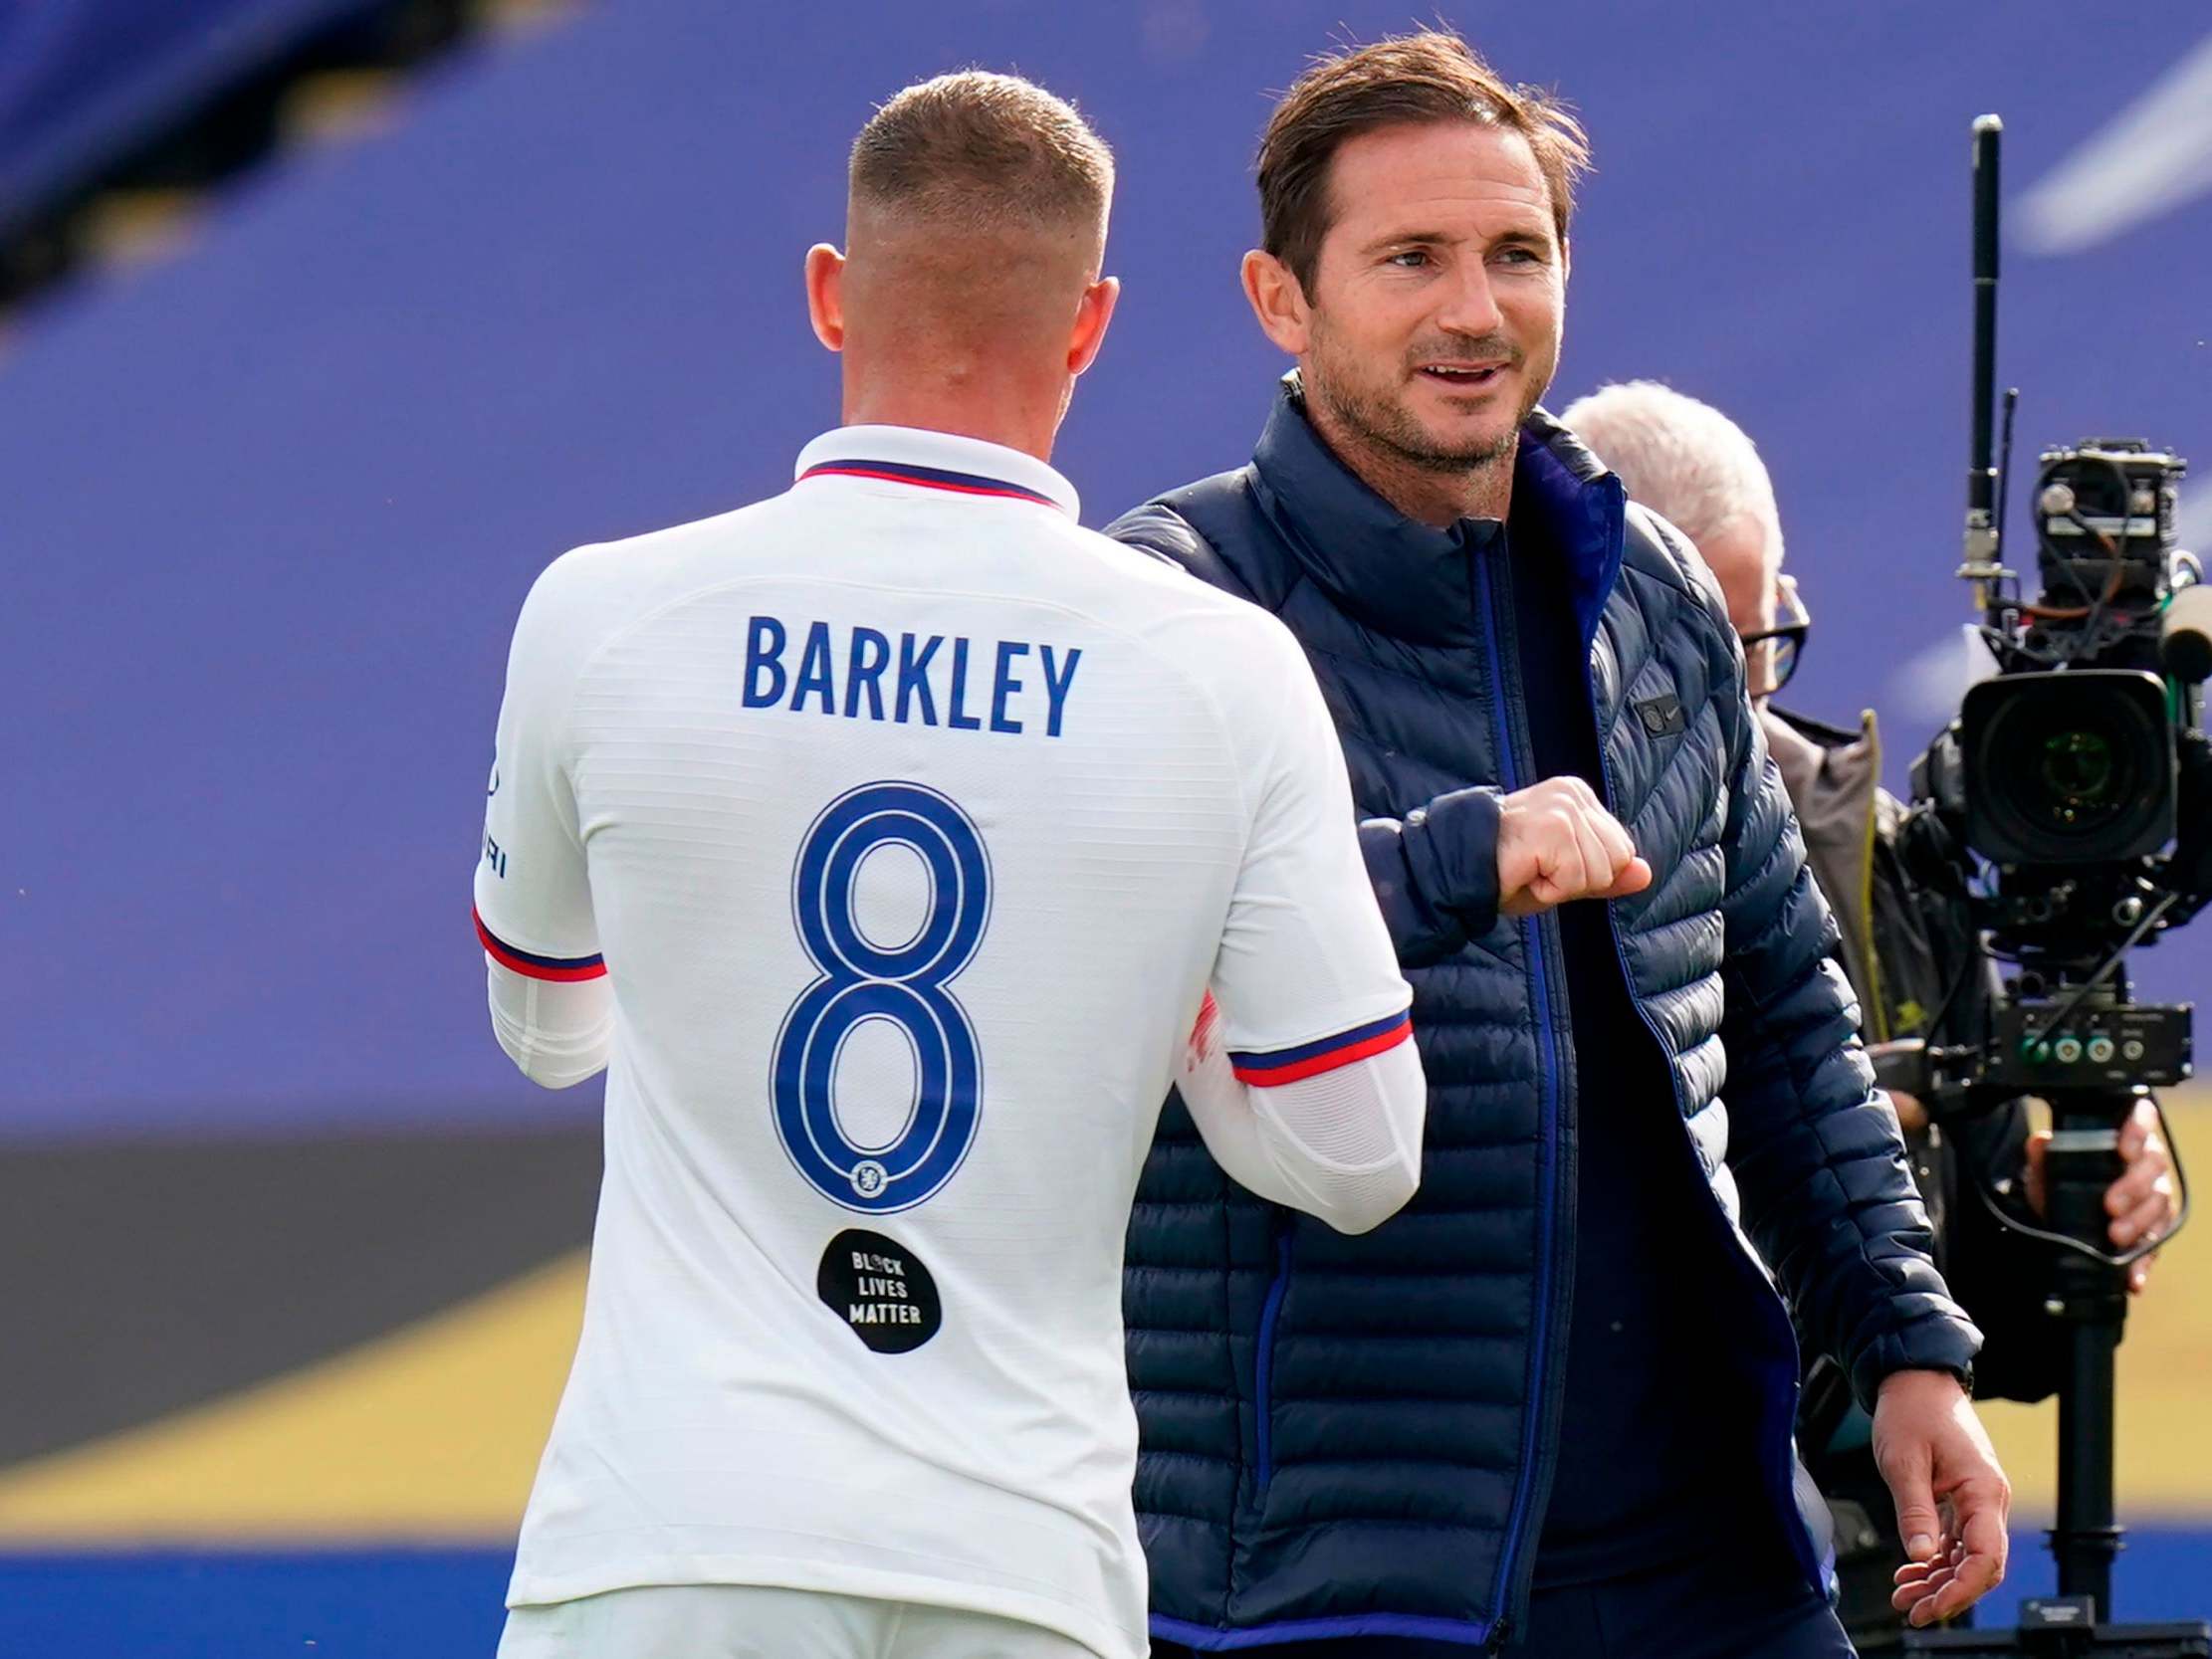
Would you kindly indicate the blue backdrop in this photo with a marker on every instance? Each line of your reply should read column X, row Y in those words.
column 446, row 1603
column 272, row 504
column 84, row 83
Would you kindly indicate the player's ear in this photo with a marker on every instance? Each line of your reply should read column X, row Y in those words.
column 826, row 294
column 1278, row 300
column 1091, row 318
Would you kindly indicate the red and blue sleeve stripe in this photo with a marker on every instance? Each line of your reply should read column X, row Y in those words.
column 534, row 967
column 1288, row 1065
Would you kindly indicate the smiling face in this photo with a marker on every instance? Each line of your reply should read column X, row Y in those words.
column 1436, row 306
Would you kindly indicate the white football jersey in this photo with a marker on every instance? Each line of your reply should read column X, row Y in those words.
column 911, row 824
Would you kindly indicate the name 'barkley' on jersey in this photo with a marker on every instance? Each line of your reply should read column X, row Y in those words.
column 1005, row 686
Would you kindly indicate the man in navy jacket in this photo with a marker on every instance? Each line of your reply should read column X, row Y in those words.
column 1548, row 1408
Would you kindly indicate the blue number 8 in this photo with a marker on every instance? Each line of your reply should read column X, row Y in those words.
column 904, row 984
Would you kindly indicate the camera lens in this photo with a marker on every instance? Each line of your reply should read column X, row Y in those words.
column 2068, row 767
column 2079, row 762
column 2080, row 773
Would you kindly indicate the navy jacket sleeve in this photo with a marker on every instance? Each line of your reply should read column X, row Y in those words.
column 1436, row 873
column 1827, row 1196
column 1923, row 933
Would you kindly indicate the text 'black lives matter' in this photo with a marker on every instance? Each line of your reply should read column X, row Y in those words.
column 880, row 1288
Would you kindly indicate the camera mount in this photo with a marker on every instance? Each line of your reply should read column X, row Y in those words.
column 2068, row 774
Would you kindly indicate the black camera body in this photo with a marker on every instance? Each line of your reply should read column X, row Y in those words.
column 2069, row 809
column 2063, row 772
column 2065, row 817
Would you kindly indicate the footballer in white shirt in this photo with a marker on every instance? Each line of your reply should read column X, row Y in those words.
column 893, row 845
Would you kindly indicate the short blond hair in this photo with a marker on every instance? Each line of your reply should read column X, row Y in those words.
column 984, row 151
column 1681, row 458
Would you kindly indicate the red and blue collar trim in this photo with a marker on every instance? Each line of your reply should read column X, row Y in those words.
column 928, row 477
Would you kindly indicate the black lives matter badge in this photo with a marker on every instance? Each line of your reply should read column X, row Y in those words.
column 880, row 1288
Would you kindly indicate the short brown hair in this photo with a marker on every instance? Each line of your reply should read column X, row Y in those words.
column 1427, row 77
column 983, row 150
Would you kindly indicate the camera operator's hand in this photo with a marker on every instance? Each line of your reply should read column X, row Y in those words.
column 1952, row 1500
column 1556, row 841
column 2140, row 1202
column 1901, row 1072
column 1912, row 1117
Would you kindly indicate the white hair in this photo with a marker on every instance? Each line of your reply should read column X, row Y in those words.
column 1682, row 459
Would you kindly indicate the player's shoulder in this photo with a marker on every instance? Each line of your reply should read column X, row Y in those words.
column 1238, row 655
column 638, row 560
column 599, row 586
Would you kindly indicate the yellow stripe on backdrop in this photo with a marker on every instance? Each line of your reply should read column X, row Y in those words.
column 432, row 1433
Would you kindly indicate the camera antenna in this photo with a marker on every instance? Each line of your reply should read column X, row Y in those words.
column 2004, row 468
column 1982, row 566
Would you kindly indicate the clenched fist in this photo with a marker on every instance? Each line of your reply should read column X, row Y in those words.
column 1557, row 842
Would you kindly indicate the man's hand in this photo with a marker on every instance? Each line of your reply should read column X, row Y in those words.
column 1912, row 1117
column 2140, row 1202
column 1556, row 841
column 1952, row 1500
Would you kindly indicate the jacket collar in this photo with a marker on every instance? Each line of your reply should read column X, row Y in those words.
column 935, row 460
column 1408, row 580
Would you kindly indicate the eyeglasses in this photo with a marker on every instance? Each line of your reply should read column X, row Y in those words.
column 1771, row 655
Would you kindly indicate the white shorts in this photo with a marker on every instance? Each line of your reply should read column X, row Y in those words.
column 746, row 1621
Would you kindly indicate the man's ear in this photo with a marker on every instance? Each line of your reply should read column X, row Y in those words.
column 826, row 294
column 1278, row 301
column 1091, row 318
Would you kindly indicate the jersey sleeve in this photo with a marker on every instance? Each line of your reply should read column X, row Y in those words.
column 557, row 1034
column 1306, row 979
column 1342, row 1144
column 533, row 891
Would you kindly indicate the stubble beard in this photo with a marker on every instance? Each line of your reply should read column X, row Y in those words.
column 1382, row 423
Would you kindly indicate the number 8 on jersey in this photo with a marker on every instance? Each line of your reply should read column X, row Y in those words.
column 904, row 984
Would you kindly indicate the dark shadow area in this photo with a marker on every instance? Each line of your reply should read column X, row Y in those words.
column 141, row 1279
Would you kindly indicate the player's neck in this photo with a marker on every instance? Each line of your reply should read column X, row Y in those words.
column 998, row 409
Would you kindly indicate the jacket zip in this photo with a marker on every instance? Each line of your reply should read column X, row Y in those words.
column 1537, row 1390
column 1264, row 1362
column 1800, row 1539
